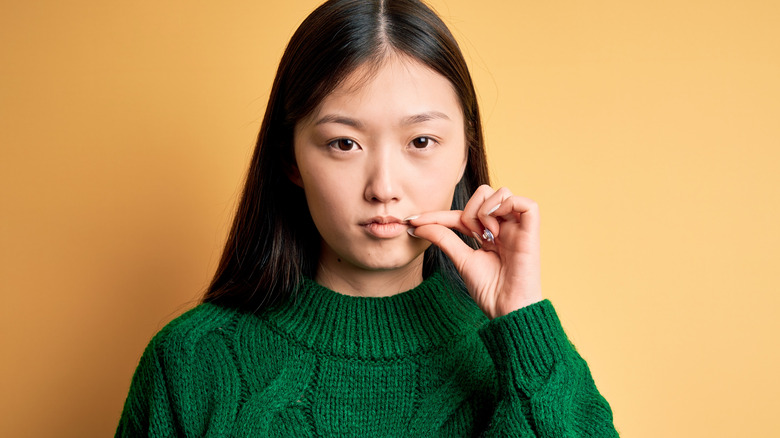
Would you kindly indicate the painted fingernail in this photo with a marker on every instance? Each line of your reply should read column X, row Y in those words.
column 476, row 236
column 493, row 210
column 410, row 230
column 487, row 235
column 411, row 218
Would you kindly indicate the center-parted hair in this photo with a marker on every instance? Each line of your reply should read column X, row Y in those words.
column 273, row 241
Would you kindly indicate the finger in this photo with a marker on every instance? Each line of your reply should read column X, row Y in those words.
column 470, row 212
column 448, row 241
column 487, row 211
column 447, row 218
column 517, row 208
column 477, row 213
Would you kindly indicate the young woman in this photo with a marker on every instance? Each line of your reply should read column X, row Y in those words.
column 349, row 301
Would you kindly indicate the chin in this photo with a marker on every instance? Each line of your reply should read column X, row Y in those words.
column 388, row 261
column 370, row 256
column 385, row 264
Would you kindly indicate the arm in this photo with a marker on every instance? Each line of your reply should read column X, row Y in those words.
column 546, row 389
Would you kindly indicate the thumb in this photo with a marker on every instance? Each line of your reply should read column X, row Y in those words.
column 449, row 242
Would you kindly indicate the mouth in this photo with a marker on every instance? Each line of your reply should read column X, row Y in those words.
column 384, row 227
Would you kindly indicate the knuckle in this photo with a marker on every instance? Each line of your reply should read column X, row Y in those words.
column 483, row 189
column 529, row 203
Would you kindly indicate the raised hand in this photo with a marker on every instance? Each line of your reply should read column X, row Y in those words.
column 504, row 274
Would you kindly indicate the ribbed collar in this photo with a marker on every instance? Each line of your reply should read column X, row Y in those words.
column 408, row 323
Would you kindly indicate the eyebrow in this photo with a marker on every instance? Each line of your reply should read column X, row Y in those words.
column 410, row 120
column 334, row 118
column 424, row 117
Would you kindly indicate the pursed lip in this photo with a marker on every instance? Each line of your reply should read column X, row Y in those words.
column 384, row 227
column 382, row 220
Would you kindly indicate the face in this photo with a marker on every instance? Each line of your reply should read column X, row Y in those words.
column 374, row 152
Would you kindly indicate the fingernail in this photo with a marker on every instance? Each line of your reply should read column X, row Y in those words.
column 410, row 230
column 487, row 235
column 476, row 236
column 411, row 218
column 492, row 210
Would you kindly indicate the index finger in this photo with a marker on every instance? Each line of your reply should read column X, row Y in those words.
column 448, row 218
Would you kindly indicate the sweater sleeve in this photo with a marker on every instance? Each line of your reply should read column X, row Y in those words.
column 545, row 387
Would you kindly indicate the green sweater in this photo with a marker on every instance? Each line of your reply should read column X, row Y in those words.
column 426, row 362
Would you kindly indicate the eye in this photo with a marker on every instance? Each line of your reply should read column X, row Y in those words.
column 422, row 142
column 343, row 144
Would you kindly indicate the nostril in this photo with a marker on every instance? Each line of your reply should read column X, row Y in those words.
column 382, row 184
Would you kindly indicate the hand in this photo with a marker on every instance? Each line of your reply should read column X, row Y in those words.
column 504, row 274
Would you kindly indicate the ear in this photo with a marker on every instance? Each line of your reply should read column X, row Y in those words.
column 294, row 175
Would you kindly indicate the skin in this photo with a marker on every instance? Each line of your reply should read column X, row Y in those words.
column 379, row 160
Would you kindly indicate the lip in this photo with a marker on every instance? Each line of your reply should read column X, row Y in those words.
column 384, row 227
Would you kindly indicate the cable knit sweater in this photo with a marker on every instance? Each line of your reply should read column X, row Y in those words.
column 425, row 362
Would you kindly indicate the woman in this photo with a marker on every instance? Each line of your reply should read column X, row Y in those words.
column 341, row 304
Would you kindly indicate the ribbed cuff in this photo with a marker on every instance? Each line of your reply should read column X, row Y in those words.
column 525, row 345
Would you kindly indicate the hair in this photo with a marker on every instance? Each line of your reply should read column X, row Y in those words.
column 273, row 241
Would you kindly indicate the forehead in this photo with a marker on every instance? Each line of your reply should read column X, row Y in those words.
column 396, row 87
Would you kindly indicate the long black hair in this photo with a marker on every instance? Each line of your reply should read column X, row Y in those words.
column 273, row 241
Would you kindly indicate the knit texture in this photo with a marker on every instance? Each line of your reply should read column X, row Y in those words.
column 425, row 362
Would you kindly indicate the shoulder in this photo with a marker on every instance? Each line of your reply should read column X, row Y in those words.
column 186, row 334
column 186, row 372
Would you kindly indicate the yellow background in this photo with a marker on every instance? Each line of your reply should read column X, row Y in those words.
column 648, row 131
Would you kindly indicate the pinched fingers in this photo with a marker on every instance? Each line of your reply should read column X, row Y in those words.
column 437, row 227
column 447, row 218
column 452, row 219
column 484, row 213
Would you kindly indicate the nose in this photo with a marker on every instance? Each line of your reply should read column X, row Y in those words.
column 383, row 180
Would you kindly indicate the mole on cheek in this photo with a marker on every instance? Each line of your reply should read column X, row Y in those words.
column 338, row 260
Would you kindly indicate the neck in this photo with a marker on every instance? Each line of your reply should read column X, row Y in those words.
column 348, row 279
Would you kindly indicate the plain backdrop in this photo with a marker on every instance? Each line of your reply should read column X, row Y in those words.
column 648, row 131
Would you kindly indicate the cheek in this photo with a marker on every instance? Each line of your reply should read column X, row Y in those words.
column 435, row 184
column 328, row 193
